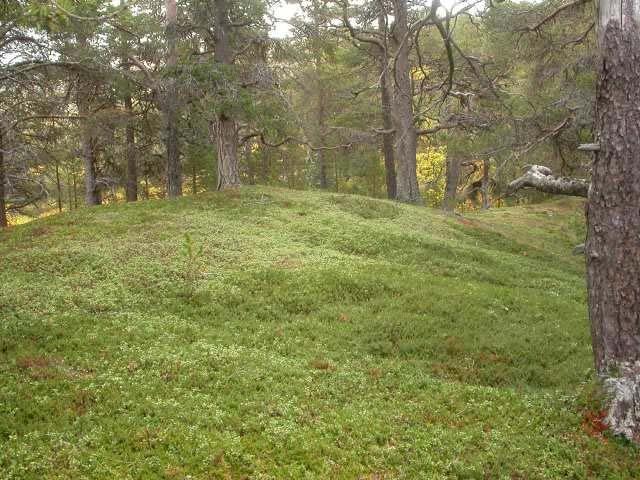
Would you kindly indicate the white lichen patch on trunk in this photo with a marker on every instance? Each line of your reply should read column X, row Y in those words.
column 624, row 401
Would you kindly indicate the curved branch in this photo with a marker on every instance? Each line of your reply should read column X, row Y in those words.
column 542, row 179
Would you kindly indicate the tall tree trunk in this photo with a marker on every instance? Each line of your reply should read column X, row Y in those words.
column 91, row 191
column 4, row 222
column 130, row 153
column 486, row 200
column 58, row 186
column 320, row 125
column 87, row 141
column 451, row 184
column 171, row 106
column 405, row 132
column 386, row 98
column 613, row 212
column 226, row 134
column 131, row 187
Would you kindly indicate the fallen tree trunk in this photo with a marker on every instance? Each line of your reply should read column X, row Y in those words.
column 542, row 179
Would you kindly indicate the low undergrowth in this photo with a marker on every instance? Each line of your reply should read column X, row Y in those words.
column 281, row 334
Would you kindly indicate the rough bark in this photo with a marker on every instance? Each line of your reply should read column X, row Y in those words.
column 405, row 132
column 451, row 184
column 541, row 178
column 226, row 135
column 226, row 138
column 386, row 98
column 4, row 222
column 171, row 106
column 613, row 213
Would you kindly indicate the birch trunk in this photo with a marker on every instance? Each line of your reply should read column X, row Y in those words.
column 613, row 212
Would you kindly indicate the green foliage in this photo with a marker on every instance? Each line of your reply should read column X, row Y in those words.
column 431, row 165
column 46, row 17
column 338, row 337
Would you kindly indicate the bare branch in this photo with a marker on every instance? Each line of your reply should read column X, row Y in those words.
column 553, row 15
column 541, row 178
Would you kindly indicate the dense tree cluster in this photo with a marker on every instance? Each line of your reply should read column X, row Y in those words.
column 105, row 101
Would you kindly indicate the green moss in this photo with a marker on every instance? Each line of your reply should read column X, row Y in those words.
column 312, row 336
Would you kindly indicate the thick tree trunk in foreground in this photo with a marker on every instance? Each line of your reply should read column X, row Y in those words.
column 451, row 184
column 171, row 107
column 405, row 132
column 613, row 239
column 386, row 98
column 541, row 178
column 4, row 222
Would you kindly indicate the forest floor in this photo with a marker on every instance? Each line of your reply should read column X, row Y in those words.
column 299, row 335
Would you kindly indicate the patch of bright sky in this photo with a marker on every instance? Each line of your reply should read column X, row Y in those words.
column 283, row 12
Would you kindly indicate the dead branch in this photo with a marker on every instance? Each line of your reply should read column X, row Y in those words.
column 542, row 179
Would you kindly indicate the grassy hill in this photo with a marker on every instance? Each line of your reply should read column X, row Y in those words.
column 298, row 335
